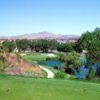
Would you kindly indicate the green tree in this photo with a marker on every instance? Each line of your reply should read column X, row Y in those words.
column 71, row 60
column 83, row 41
column 62, row 56
column 53, row 45
column 90, row 41
column 23, row 44
column 55, row 66
column 94, row 48
column 33, row 45
column 45, row 45
column 10, row 45
column 65, row 47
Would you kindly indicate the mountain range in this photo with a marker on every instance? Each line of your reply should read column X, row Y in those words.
column 42, row 35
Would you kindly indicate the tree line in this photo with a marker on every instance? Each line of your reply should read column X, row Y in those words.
column 40, row 45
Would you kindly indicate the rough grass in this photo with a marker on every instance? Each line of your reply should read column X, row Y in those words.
column 21, row 88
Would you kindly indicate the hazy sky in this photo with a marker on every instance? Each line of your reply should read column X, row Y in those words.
column 57, row 16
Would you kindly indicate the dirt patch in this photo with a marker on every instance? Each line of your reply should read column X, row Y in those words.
column 20, row 67
column 13, row 71
column 27, row 66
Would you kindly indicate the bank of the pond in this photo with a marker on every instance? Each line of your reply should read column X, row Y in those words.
column 51, row 63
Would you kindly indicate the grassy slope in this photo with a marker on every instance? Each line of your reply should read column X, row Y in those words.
column 20, row 88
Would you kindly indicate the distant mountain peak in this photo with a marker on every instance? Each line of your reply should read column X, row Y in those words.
column 45, row 32
column 44, row 35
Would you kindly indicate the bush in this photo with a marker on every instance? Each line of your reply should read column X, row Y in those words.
column 60, row 75
column 3, row 63
column 55, row 66
column 91, row 73
column 2, row 58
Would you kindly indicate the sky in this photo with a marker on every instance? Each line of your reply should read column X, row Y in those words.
column 56, row 16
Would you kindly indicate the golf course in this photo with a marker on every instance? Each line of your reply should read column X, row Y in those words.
column 49, row 50
column 28, row 88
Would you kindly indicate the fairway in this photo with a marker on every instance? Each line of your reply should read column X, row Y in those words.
column 21, row 88
column 34, row 56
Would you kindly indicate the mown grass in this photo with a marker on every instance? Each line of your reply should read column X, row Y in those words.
column 34, row 56
column 21, row 88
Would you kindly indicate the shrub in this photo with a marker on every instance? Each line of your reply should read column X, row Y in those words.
column 55, row 66
column 60, row 75
column 3, row 63
column 91, row 73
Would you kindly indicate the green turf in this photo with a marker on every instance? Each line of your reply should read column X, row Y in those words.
column 34, row 56
column 21, row 88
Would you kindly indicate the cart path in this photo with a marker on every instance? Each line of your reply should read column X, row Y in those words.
column 50, row 74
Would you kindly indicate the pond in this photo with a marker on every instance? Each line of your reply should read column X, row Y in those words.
column 51, row 63
column 83, row 70
column 82, row 73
